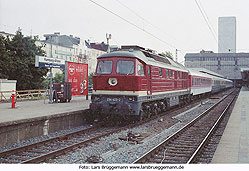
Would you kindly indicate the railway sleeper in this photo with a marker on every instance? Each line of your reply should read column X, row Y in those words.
column 167, row 161
column 172, row 154
column 179, row 151
column 179, row 148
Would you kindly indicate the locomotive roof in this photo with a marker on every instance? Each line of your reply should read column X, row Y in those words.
column 147, row 57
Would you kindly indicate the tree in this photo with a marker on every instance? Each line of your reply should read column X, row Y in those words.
column 58, row 78
column 4, row 65
column 90, row 78
column 167, row 54
column 18, row 61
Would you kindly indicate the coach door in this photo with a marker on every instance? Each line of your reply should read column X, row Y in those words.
column 149, row 77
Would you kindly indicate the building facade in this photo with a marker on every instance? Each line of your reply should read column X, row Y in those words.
column 226, row 64
column 227, row 35
column 70, row 48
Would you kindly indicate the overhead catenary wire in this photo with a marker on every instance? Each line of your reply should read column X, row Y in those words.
column 206, row 20
column 131, row 23
column 145, row 20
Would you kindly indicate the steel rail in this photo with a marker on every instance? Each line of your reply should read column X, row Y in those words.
column 208, row 136
column 157, row 148
column 63, row 150
column 37, row 144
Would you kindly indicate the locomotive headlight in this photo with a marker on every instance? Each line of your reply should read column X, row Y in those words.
column 113, row 81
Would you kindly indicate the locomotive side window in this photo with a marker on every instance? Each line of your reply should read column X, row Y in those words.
column 140, row 69
column 160, row 72
column 104, row 67
column 167, row 73
column 149, row 71
column 125, row 67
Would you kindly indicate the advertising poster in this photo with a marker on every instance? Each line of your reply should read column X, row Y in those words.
column 77, row 75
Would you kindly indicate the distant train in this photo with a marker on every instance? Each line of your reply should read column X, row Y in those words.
column 134, row 83
column 245, row 76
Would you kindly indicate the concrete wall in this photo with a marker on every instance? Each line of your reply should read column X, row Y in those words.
column 7, row 85
column 14, row 132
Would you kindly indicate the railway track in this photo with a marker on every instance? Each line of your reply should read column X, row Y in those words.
column 41, row 151
column 50, row 148
column 191, row 144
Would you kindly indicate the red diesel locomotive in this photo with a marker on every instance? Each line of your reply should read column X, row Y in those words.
column 136, row 83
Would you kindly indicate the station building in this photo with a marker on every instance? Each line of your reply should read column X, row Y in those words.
column 227, row 64
column 70, row 48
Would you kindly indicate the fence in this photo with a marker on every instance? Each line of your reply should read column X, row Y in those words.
column 23, row 95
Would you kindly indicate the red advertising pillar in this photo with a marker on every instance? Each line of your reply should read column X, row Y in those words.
column 77, row 75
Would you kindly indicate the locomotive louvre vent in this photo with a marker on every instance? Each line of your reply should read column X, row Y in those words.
column 113, row 81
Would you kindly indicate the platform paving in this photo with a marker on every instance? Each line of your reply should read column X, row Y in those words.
column 33, row 109
column 234, row 143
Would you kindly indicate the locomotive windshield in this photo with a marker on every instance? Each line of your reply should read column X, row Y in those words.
column 104, row 67
column 125, row 67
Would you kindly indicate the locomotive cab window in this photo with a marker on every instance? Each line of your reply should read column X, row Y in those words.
column 104, row 67
column 140, row 69
column 125, row 67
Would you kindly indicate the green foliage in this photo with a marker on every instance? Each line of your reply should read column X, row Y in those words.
column 90, row 78
column 17, row 61
column 58, row 78
column 167, row 54
column 4, row 65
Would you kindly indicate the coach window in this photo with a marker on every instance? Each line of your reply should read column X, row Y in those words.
column 167, row 73
column 140, row 69
column 160, row 72
column 125, row 67
column 170, row 74
column 104, row 67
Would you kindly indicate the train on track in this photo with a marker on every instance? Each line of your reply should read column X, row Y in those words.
column 135, row 83
column 245, row 76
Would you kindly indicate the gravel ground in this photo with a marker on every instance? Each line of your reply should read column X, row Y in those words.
column 111, row 149
column 42, row 138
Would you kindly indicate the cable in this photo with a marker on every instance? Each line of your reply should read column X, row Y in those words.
column 139, row 16
column 133, row 24
column 206, row 20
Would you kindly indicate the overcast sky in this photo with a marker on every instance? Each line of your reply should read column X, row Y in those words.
column 167, row 24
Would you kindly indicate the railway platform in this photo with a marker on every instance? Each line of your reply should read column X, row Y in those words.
column 33, row 109
column 35, row 118
column 234, row 143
